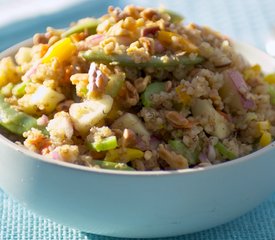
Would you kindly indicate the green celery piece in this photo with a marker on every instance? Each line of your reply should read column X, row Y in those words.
column 180, row 148
column 105, row 144
column 97, row 55
column 15, row 121
column 115, row 83
column 90, row 25
column 271, row 91
column 223, row 150
column 19, row 89
column 175, row 17
column 155, row 87
column 112, row 165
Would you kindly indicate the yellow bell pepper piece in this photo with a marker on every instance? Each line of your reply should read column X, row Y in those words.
column 123, row 155
column 265, row 139
column 61, row 50
column 264, row 126
column 171, row 38
column 270, row 78
column 182, row 95
column 252, row 72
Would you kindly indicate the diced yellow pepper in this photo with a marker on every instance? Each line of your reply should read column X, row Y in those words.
column 270, row 78
column 123, row 155
column 166, row 38
column 265, row 139
column 252, row 72
column 264, row 126
column 8, row 72
column 183, row 96
column 61, row 50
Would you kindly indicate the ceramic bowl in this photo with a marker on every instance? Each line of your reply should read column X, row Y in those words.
column 139, row 204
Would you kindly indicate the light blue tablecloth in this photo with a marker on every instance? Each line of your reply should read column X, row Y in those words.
column 244, row 20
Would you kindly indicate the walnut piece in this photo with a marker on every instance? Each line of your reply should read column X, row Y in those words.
column 177, row 120
column 141, row 83
column 174, row 160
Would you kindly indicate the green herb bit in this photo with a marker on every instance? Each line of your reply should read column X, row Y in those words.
column 180, row 148
column 223, row 150
column 271, row 91
column 19, row 89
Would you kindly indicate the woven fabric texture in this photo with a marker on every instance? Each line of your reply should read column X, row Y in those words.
column 16, row 222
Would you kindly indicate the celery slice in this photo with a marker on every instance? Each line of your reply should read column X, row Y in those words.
column 155, row 87
column 19, row 89
column 271, row 91
column 180, row 148
column 223, row 150
column 105, row 144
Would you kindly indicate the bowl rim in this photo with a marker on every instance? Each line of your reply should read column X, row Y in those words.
column 72, row 166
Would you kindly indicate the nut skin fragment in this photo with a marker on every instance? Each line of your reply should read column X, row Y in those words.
column 175, row 161
column 142, row 83
column 176, row 120
column 128, row 138
column 129, row 95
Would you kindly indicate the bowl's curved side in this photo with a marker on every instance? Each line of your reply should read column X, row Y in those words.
column 139, row 204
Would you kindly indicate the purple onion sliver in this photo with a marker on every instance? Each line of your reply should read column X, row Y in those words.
column 238, row 80
column 248, row 103
column 211, row 154
column 203, row 157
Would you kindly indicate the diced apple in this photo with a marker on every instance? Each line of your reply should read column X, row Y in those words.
column 131, row 121
column 216, row 124
column 88, row 113
column 44, row 99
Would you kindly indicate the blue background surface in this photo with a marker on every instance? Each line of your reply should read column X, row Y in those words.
column 250, row 21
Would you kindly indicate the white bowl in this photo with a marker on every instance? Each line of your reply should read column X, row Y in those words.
column 139, row 204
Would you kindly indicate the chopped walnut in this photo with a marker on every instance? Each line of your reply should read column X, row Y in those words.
column 174, row 160
column 97, row 81
column 39, row 38
column 129, row 95
column 177, row 120
column 138, row 164
column 148, row 44
column 150, row 14
column 116, row 13
column 64, row 106
column 142, row 83
column 149, row 31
